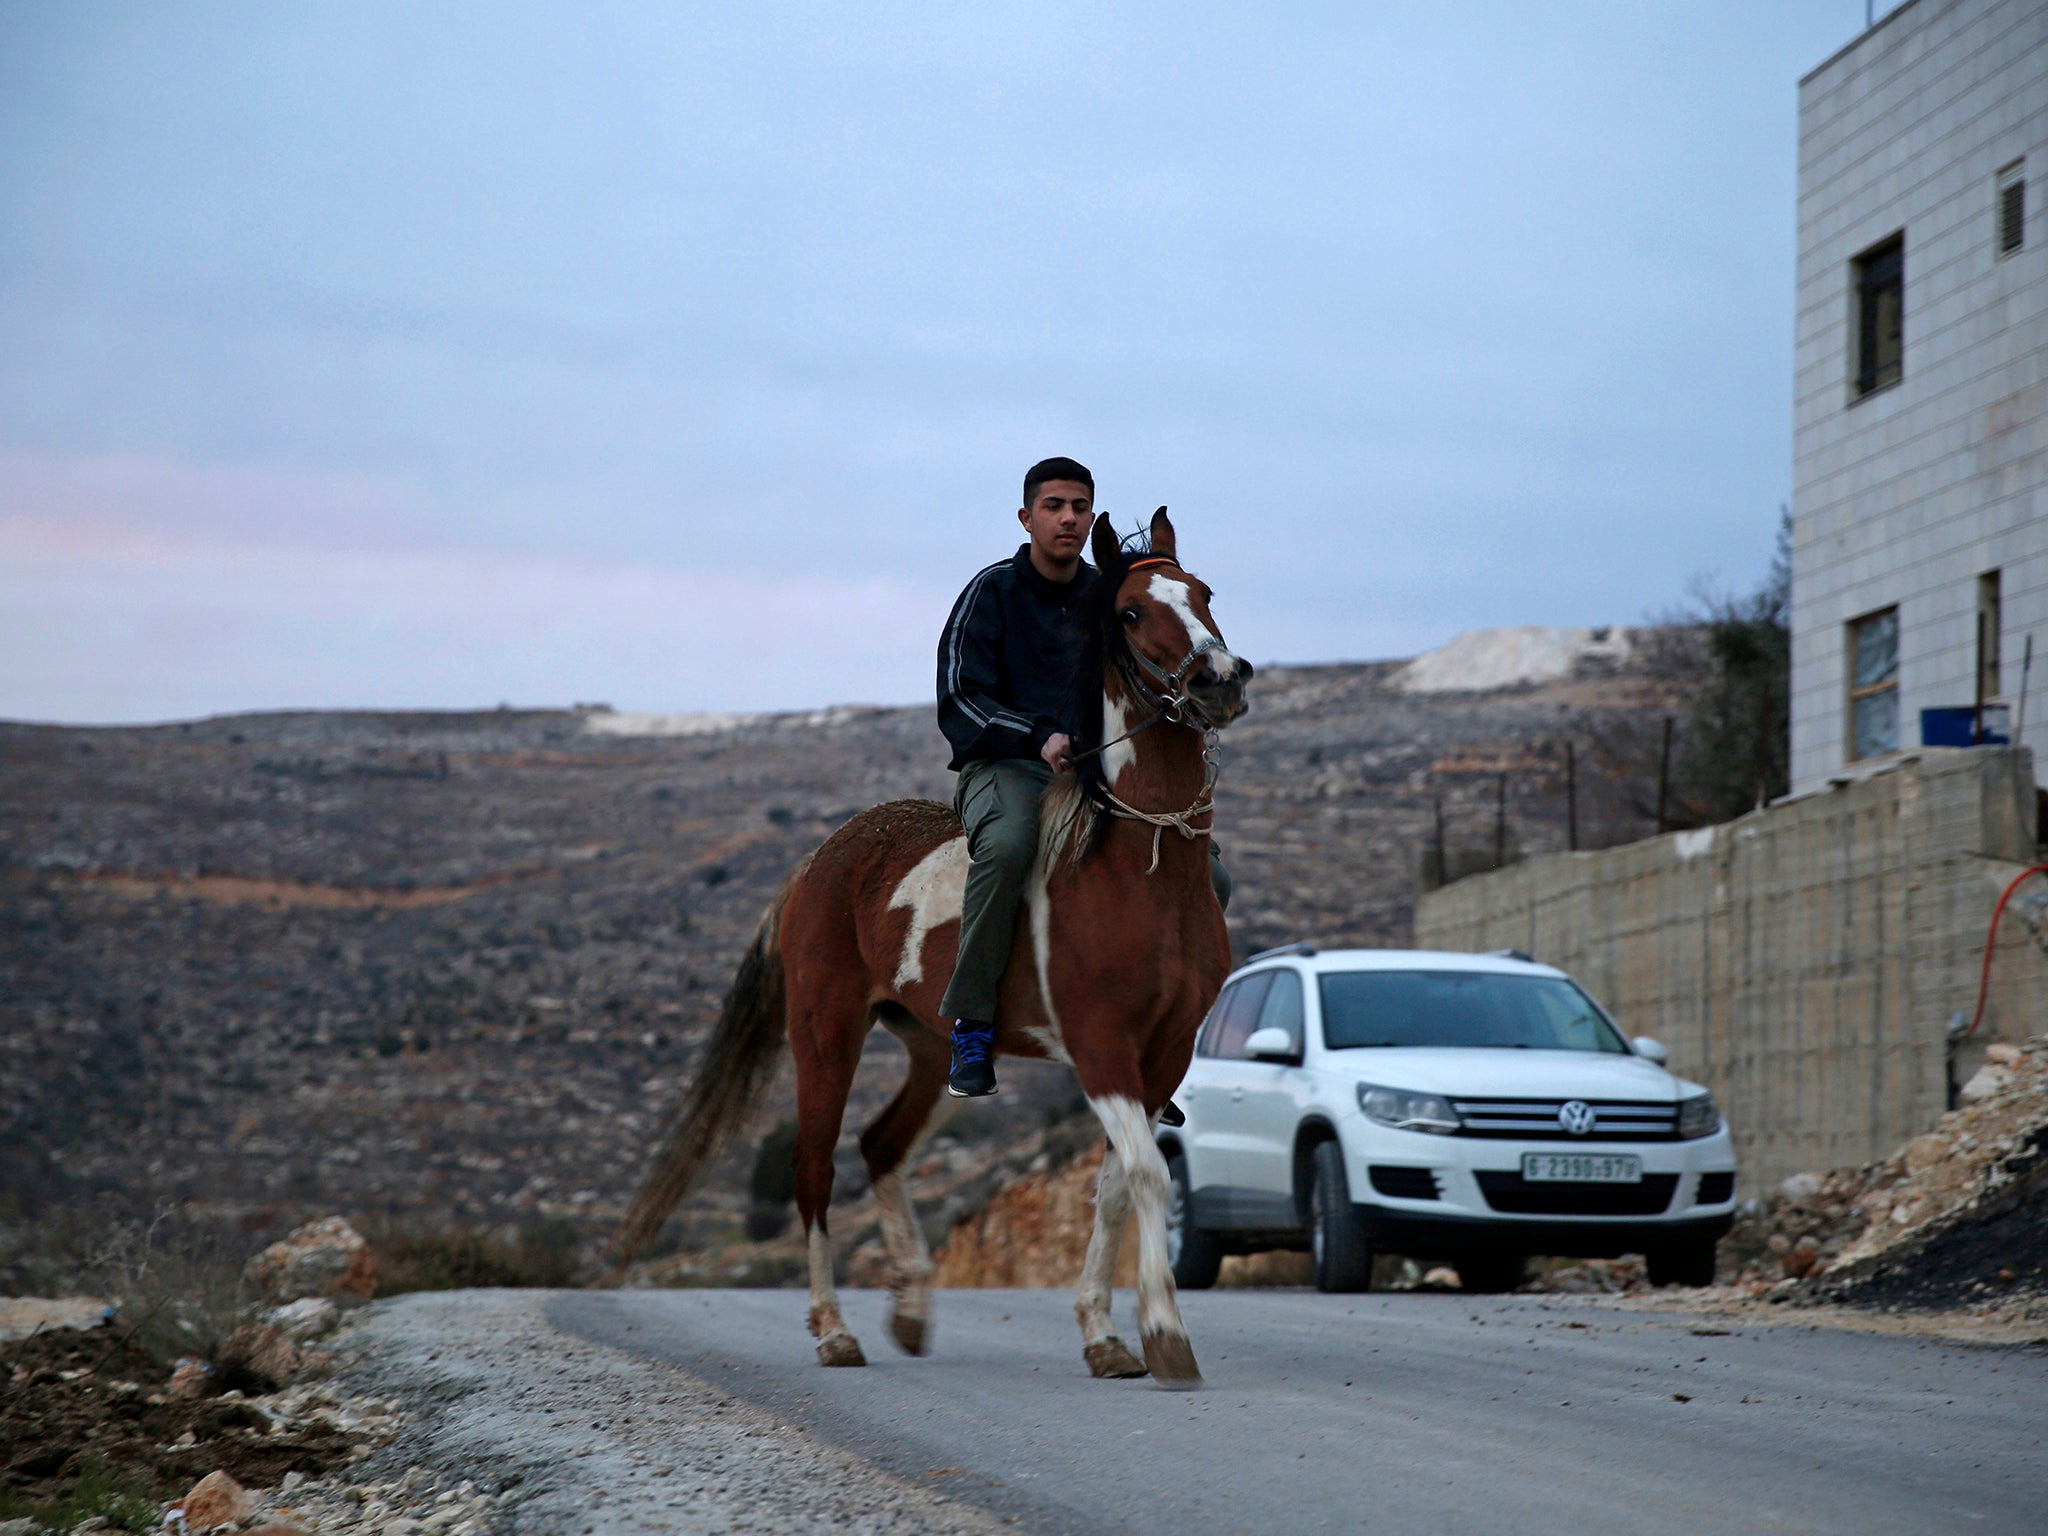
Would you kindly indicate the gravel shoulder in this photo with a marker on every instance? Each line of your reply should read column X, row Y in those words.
column 567, row 1436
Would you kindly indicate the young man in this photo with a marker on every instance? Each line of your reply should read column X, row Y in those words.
column 1006, row 669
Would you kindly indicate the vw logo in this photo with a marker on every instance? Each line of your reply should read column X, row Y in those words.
column 1576, row 1117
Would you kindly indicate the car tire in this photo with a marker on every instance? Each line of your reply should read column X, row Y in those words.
column 1682, row 1263
column 1491, row 1274
column 1337, row 1238
column 1193, row 1252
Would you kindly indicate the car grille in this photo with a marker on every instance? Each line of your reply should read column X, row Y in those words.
column 1715, row 1188
column 1510, row 1192
column 1536, row 1120
column 1404, row 1183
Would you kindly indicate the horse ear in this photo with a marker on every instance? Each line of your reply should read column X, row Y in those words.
column 1103, row 542
column 1162, row 535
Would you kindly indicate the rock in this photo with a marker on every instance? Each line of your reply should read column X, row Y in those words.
column 22, row 1527
column 1923, row 1152
column 1801, row 1186
column 216, row 1499
column 1986, row 1082
column 323, row 1258
column 1803, row 1258
column 192, row 1378
column 259, row 1350
column 21, row 1316
column 2002, row 1055
column 306, row 1318
column 274, row 1528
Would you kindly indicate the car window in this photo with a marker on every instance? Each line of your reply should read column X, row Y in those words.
column 1283, row 1006
column 1236, row 1014
column 1462, row 1008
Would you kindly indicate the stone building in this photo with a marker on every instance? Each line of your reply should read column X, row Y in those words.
column 1920, row 428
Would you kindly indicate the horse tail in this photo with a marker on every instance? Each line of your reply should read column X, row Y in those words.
column 738, row 1064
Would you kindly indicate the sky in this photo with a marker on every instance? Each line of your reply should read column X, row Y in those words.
column 689, row 357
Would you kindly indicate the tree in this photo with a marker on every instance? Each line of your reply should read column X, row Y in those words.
column 1732, row 752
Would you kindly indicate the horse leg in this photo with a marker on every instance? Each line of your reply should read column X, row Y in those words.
column 826, row 1055
column 1161, row 1332
column 1106, row 1354
column 885, row 1145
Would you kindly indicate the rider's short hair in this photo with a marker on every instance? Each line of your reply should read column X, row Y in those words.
column 1055, row 469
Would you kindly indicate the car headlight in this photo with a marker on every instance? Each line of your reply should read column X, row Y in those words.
column 1698, row 1116
column 1406, row 1111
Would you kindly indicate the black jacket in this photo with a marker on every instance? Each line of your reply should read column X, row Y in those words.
column 1007, row 658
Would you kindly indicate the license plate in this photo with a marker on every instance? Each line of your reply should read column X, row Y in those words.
column 1581, row 1168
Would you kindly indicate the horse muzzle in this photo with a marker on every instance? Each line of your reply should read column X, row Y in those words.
column 1220, row 694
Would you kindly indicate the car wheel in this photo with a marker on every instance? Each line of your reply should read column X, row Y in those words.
column 1490, row 1274
column 1683, row 1263
column 1343, row 1257
column 1192, row 1251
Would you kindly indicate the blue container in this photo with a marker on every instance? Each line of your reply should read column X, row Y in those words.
column 1957, row 727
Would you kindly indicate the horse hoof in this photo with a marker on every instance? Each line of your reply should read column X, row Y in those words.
column 1172, row 1360
column 1109, row 1360
column 840, row 1349
column 909, row 1333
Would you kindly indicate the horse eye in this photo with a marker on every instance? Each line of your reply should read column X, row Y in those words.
column 1130, row 615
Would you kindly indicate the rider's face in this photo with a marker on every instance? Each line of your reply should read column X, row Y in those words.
column 1058, row 520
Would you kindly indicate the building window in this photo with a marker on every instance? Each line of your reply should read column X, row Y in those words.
column 2012, row 207
column 1989, row 619
column 1880, row 314
column 1874, row 685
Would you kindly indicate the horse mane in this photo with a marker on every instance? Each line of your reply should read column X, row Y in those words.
column 1075, row 809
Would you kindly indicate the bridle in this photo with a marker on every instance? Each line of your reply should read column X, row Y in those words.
column 1167, row 696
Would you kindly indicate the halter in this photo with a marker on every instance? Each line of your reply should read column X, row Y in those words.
column 1169, row 701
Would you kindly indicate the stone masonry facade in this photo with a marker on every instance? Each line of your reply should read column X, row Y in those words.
column 1911, row 492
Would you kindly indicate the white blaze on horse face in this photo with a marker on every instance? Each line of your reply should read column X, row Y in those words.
column 933, row 890
column 1119, row 755
column 1174, row 594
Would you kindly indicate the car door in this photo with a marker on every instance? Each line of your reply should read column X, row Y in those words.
column 1267, row 1108
column 1214, row 1096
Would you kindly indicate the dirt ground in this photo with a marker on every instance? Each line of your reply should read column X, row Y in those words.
column 67, row 1395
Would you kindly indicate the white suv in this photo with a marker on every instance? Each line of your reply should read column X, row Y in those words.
column 1472, row 1108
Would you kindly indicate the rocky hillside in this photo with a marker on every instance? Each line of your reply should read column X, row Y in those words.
column 453, row 968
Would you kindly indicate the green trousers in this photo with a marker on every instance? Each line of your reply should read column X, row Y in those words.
column 998, row 805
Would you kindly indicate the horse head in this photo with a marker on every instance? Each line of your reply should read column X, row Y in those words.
column 1163, row 614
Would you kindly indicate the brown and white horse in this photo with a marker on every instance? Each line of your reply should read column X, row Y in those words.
column 1120, row 951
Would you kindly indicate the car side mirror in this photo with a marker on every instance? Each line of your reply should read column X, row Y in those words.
column 1271, row 1044
column 1650, row 1050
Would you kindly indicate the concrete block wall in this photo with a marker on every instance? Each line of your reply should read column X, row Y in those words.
column 1907, row 495
column 1804, row 961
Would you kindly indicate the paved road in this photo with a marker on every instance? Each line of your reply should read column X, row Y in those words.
column 1418, row 1413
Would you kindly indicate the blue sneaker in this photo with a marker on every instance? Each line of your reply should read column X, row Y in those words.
column 974, row 1060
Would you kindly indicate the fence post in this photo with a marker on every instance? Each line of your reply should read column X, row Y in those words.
column 1664, row 780
column 1571, row 798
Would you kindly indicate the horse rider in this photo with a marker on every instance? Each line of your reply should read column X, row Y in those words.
column 1006, row 671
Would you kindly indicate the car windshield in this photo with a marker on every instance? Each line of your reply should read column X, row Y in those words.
column 1468, row 1008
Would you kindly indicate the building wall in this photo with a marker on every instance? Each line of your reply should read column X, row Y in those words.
column 1804, row 961
column 1909, row 494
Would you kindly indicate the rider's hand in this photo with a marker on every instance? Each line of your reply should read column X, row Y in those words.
column 1055, row 751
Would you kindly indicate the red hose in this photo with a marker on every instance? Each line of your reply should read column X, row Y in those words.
column 1990, row 937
